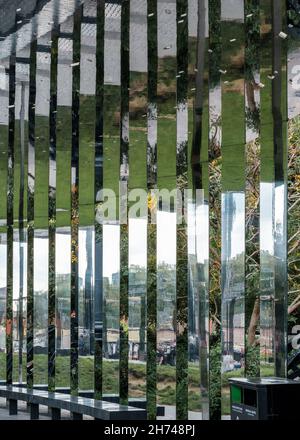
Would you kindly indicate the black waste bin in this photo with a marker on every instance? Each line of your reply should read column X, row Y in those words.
column 266, row 398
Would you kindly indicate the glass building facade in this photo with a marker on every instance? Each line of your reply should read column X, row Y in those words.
column 149, row 203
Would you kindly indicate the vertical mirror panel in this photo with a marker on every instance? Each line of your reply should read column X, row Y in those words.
column 215, row 169
column 267, row 268
column 197, row 220
column 266, row 277
column 20, row 202
column 74, row 377
column 40, row 311
column 111, row 291
column 293, row 189
column 151, row 299
column 4, row 96
column 252, row 201
column 166, row 219
column 19, row 311
column 279, row 103
column 63, row 284
column 52, row 212
column 41, row 241
column 233, row 288
column 201, row 277
column 111, row 178
column 182, row 232
column 63, row 203
column 137, row 244
column 98, row 186
column 137, row 307
column 233, row 186
column 124, row 180
column 193, row 317
column 166, row 311
column 86, row 321
column 3, row 251
column 30, row 212
column 10, row 220
column 86, row 195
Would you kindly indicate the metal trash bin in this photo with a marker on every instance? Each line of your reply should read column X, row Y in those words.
column 266, row 398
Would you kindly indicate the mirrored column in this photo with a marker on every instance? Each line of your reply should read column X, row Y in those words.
column 181, row 233
column 166, row 217
column 111, row 177
column 52, row 212
column 215, row 169
column 41, row 220
column 293, row 70
column 4, row 111
column 279, row 110
column 99, row 143
column 75, row 200
column 20, row 199
column 137, row 204
column 63, row 203
column 233, row 196
column 252, row 261
column 86, row 194
column 198, row 232
column 10, row 220
column 151, row 299
column 124, row 179
column 30, row 211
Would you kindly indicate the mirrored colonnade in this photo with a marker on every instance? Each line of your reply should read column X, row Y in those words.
column 99, row 100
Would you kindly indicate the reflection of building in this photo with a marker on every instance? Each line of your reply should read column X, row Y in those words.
column 2, row 303
column 137, row 312
column 166, row 309
column 111, row 316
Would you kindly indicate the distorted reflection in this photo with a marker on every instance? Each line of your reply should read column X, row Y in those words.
column 233, row 254
column 111, row 293
column 40, row 286
column 267, row 288
column 166, row 304
column 137, row 265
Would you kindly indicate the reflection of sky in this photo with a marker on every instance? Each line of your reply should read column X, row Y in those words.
column 266, row 222
column 3, row 265
column 198, row 231
column 166, row 238
column 238, row 226
column 234, row 223
column 138, row 242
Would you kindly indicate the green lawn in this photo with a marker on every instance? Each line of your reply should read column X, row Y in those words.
column 137, row 377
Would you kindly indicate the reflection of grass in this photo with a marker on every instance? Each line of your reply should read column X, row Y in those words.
column 166, row 378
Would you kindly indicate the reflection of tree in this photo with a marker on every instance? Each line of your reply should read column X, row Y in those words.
column 293, row 221
column 252, row 224
column 252, row 48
